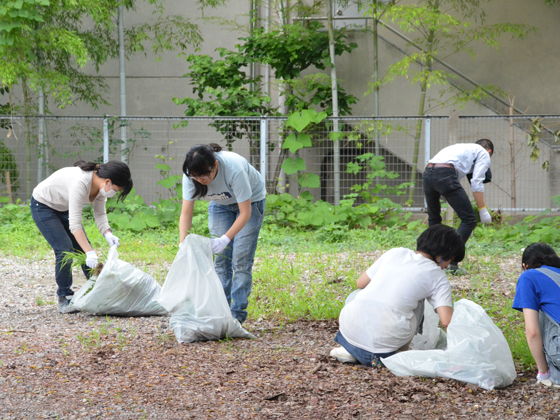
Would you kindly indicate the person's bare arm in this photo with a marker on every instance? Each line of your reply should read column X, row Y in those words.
column 242, row 219
column 185, row 220
column 445, row 314
column 534, row 338
column 479, row 198
column 363, row 280
column 81, row 238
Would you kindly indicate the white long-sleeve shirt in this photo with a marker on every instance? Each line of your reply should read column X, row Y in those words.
column 466, row 158
column 68, row 189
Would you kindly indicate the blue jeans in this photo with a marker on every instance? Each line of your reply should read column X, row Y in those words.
column 439, row 182
column 550, row 331
column 235, row 265
column 363, row 356
column 55, row 228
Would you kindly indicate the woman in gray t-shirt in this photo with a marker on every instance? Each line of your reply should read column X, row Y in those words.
column 235, row 215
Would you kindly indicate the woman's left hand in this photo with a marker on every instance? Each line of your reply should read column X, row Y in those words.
column 219, row 244
column 112, row 239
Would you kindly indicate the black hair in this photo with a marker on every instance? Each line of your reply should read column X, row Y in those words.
column 443, row 241
column 538, row 254
column 116, row 171
column 200, row 161
column 487, row 144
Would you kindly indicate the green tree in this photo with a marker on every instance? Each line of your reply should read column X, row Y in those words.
column 441, row 28
column 45, row 44
column 223, row 87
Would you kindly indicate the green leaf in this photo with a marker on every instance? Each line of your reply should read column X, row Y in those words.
column 291, row 165
column 298, row 121
column 310, row 181
column 163, row 167
column 271, row 199
column 150, row 220
column 334, row 135
column 292, row 143
column 305, row 140
column 137, row 224
column 312, row 115
column 306, row 195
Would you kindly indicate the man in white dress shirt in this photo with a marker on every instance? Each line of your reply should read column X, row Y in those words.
column 442, row 178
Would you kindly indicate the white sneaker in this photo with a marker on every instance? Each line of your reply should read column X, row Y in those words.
column 548, row 382
column 342, row 355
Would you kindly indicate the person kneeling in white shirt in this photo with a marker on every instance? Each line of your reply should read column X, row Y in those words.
column 386, row 312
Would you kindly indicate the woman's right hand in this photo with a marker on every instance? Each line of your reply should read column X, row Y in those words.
column 91, row 259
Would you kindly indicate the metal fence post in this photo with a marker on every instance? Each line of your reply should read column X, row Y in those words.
column 264, row 138
column 105, row 140
column 427, row 146
column 427, row 141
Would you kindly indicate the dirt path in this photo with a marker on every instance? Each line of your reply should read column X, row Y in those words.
column 80, row 366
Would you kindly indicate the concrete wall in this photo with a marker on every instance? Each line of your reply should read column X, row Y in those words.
column 525, row 69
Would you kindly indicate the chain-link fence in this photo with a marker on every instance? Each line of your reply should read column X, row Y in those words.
column 405, row 143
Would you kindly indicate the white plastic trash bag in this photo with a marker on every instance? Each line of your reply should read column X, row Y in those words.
column 432, row 336
column 120, row 289
column 477, row 352
column 195, row 297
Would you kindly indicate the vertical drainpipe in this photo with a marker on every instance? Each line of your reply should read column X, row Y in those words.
column 41, row 135
column 334, row 87
column 267, row 67
column 122, row 78
column 41, row 127
column 251, row 74
column 266, row 89
column 376, row 78
column 281, row 106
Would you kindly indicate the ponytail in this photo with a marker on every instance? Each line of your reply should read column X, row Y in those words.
column 115, row 171
column 86, row 166
column 216, row 147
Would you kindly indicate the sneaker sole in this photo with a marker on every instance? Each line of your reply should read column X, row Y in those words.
column 354, row 361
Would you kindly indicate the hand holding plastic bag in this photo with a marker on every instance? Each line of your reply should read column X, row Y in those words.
column 120, row 289
column 112, row 240
column 477, row 352
column 194, row 295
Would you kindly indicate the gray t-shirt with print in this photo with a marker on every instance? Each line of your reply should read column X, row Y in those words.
column 237, row 181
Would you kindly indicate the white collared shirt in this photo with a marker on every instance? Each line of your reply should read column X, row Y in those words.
column 466, row 158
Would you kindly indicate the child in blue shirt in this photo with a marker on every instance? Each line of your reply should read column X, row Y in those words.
column 537, row 295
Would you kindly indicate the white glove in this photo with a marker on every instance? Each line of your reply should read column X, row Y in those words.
column 112, row 239
column 91, row 259
column 484, row 215
column 543, row 376
column 219, row 244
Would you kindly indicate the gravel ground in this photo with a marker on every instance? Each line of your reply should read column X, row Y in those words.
column 80, row 366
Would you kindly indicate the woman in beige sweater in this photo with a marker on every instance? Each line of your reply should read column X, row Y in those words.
column 56, row 208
